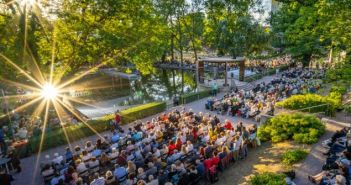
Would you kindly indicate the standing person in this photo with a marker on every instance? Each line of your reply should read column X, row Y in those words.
column 118, row 119
column 3, row 145
column 16, row 163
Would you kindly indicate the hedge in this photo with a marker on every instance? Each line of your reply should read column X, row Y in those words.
column 190, row 97
column 296, row 102
column 302, row 128
column 56, row 137
column 268, row 178
column 142, row 111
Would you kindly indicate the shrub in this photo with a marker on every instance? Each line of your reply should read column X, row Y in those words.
column 296, row 102
column 190, row 97
column 268, row 178
column 340, row 88
column 302, row 128
column 347, row 108
column 57, row 136
column 294, row 156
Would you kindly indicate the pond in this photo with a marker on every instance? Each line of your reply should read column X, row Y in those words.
column 161, row 85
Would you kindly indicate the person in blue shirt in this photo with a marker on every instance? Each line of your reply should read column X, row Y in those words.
column 115, row 137
column 68, row 154
column 96, row 152
column 200, row 167
column 120, row 173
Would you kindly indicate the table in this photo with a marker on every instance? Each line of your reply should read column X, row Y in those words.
column 5, row 161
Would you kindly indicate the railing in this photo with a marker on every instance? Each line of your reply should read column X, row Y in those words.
column 307, row 108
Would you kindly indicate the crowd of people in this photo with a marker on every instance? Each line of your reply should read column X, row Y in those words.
column 336, row 170
column 262, row 98
column 179, row 147
column 259, row 66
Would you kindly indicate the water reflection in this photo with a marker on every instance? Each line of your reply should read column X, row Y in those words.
column 161, row 85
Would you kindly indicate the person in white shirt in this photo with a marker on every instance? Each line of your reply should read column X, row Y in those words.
column 98, row 180
column 81, row 166
column 189, row 146
column 58, row 158
column 89, row 147
column 86, row 156
column 152, row 181
column 93, row 162
column 22, row 133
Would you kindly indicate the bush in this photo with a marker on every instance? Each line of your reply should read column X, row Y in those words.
column 347, row 108
column 190, row 97
column 342, row 89
column 296, row 102
column 57, row 136
column 294, row 156
column 268, row 178
column 302, row 128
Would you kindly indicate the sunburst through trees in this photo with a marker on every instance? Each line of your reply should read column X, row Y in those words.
column 46, row 90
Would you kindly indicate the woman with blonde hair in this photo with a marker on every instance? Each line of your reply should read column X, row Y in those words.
column 131, row 167
column 110, row 179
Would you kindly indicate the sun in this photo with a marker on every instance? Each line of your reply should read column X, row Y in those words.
column 49, row 91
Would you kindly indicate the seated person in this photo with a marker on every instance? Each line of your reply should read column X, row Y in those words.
column 93, row 162
column 96, row 152
column 80, row 166
column 47, row 171
column 120, row 173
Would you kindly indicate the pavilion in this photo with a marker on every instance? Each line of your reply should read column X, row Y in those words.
column 200, row 69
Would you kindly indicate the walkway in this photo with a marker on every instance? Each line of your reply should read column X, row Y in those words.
column 315, row 159
column 102, row 108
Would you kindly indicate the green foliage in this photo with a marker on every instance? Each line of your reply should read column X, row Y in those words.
column 301, row 128
column 57, row 137
column 347, row 108
column 328, row 103
column 308, row 28
column 190, row 97
column 268, row 178
column 339, row 72
column 291, row 157
column 339, row 89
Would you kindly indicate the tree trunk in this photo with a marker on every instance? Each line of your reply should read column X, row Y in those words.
column 306, row 60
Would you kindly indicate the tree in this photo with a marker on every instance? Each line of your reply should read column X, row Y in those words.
column 232, row 29
column 311, row 28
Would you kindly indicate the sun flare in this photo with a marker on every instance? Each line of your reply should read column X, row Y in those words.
column 49, row 92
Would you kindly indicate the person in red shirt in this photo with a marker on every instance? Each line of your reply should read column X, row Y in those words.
column 178, row 144
column 228, row 125
column 171, row 147
column 194, row 132
column 208, row 164
column 117, row 122
column 215, row 159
